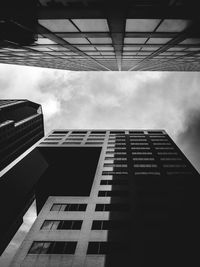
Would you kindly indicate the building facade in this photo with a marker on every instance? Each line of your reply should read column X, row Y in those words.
column 136, row 207
column 21, row 126
column 102, row 35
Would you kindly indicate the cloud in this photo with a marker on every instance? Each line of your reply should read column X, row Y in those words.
column 50, row 107
column 106, row 99
column 26, row 83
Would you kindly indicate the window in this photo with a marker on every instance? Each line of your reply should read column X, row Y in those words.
column 98, row 132
column 147, row 173
column 93, row 143
column 140, row 148
column 138, row 140
column 92, row 136
column 157, row 136
column 71, row 143
column 117, row 137
column 161, row 144
column 155, row 132
column 120, row 142
column 116, row 143
column 52, row 139
column 115, row 165
column 108, row 225
column 159, row 140
column 114, row 182
column 77, row 135
column 115, row 153
column 62, row 225
column 141, row 153
column 113, row 193
column 114, row 172
column 74, row 139
column 102, row 248
column 116, row 159
column 170, row 159
column 53, row 247
column 56, row 135
column 179, row 173
column 60, row 132
column 145, row 165
column 137, row 136
column 112, row 207
column 136, row 132
column 174, row 166
column 95, row 139
column 110, row 149
column 143, row 159
column 164, row 148
column 167, row 153
column 139, row 144
column 117, row 132
column 69, row 207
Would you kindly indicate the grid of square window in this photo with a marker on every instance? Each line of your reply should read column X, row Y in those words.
column 82, row 42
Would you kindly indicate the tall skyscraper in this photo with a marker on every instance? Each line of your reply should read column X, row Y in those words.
column 113, row 198
column 102, row 35
column 21, row 126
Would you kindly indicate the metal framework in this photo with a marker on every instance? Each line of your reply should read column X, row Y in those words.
column 98, row 35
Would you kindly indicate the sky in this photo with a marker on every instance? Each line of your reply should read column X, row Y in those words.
column 131, row 100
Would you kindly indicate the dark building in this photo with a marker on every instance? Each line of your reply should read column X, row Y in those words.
column 21, row 126
column 112, row 198
column 103, row 35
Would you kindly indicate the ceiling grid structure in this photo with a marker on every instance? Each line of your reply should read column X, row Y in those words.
column 99, row 35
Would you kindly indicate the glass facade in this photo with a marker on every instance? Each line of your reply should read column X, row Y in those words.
column 103, row 36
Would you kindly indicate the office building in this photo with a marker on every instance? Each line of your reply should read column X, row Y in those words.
column 113, row 198
column 102, row 35
column 21, row 126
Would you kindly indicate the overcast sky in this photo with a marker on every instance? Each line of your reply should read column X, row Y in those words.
column 132, row 100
